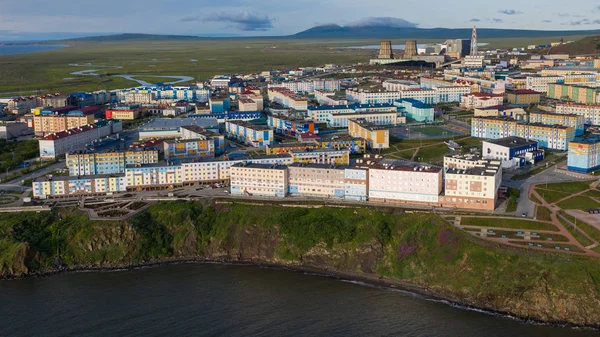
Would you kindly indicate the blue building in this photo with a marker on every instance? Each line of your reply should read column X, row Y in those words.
column 416, row 110
column 584, row 154
column 512, row 151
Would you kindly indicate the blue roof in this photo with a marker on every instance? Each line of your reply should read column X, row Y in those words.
column 591, row 139
column 415, row 103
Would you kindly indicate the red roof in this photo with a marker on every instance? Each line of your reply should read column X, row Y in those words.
column 308, row 135
column 483, row 94
column 70, row 132
column 524, row 92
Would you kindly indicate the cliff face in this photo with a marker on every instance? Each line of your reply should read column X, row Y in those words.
column 416, row 248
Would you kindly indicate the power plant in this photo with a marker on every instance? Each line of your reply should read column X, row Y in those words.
column 385, row 50
column 410, row 49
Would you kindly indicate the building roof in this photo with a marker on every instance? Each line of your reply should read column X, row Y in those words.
column 379, row 163
column 319, row 150
column 591, row 139
column 249, row 125
column 261, row 166
column 68, row 178
column 319, row 166
column 512, row 142
column 350, row 106
column 474, row 171
column 523, row 92
column 367, row 125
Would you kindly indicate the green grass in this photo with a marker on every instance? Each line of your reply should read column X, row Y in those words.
column 543, row 214
column 513, row 195
column 507, row 223
column 551, row 245
column 583, row 240
column 432, row 154
column 535, row 199
column 578, row 202
column 591, row 231
column 592, row 193
column 434, row 131
column 568, row 187
column 551, row 196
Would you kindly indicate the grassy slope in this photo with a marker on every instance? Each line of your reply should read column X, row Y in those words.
column 420, row 248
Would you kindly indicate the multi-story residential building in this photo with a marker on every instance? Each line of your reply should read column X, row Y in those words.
column 139, row 97
column 330, row 98
column 377, row 136
column 50, row 123
column 399, row 85
column 291, row 126
column 321, row 156
column 316, row 180
column 512, row 151
column 356, row 184
column 308, row 86
column 72, row 186
column 554, row 137
column 259, row 180
column 575, row 93
column 478, row 84
column 288, row 99
column 502, row 111
column 343, row 141
column 471, row 182
column 571, row 120
column 376, row 118
column 196, row 132
column 250, row 134
column 123, row 114
column 427, row 96
column 83, row 163
column 219, row 103
column 322, row 114
column 584, row 154
column 540, row 83
column 220, row 81
column 285, row 148
column 56, row 144
column 153, row 176
column 522, row 97
column 247, row 104
column 177, row 150
column 397, row 181
column 590, row 113
column 53, row 100
column 477, row 100
column 21, row 105
column 473, row 61
column 415, row 110
column 13, row 130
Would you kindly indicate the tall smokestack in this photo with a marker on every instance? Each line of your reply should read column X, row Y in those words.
column 474, row 42
column 385, row 50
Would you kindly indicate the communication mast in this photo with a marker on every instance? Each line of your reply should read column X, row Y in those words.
column 474, row 42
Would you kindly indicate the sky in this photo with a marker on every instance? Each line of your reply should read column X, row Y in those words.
column 42, row 18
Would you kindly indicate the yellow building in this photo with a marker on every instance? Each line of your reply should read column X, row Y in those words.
column 44, row 124
column 377, row 137
column 575, row 93
column 523, row 97
column 322, row 156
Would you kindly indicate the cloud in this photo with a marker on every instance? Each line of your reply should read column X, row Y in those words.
column 244, row 21
column 383, row 22
column 496, row 20
column 510, row 12
column 190, row 19
column 474, row 20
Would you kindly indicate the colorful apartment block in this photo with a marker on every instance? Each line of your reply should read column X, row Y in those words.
column 177, row 150
column 195, row 132
column 153, row 176
column 291, row 126
column 575, row 93
column 523, row 97
column 316, row 180
column 415, row 110
column 571, row 120
column 480, row 100
column 288, row 99
column 57, row 144
column 321, row 156
column 590, row 113
column 44, row 124
column 79, row 185
column 83, row 164
column 584, row 154
column 377, row 137
column 249, row 134
column 123, row 114
column 259, row 180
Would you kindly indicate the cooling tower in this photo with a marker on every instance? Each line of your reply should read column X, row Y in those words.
column 385, row 50
column 410, row 49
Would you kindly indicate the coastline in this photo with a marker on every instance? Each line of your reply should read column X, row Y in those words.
column 408, row 288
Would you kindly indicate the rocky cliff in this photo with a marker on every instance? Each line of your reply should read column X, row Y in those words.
column 380, row 244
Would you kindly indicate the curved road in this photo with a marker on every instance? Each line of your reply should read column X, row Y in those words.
column 93, row 72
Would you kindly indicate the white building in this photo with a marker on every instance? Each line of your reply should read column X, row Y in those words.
column 590, row 113
column 259, row 180
column 428, row 96
column 478, row 100
column 57, row 144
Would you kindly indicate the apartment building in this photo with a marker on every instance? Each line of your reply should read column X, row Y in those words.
column 247, row 104
column 330, row 98
column 307, row 87
column 540, row 83
column 377, row 137
column 427, row 96
column 21, row 105
column 398, row 181
column 288, row 99
column 376, row 118
column 554, row 137
column 291, row 126
column 584, row 154
column 181, row 149
column 513, row 152
column 123, row 114
column 574, row 93
column 70, row 186
column 502, row 111
column 590, row 113
column 415, row 110
column 399, row 85
column 57, row 144
column 189, row 132
column 13, row 130
column 471, row 182
column 322, row 114
column 153, row 176
column 523, row 97
column 477, row 100
column 321, row 156
column 356, row 184
column 44, row 124
column 83, row 163
column 139, row 97
column 249, row 134
column 259, row 180
column 316, row 180
column 570, row 120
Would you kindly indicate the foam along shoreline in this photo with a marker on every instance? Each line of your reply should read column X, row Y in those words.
column 366, row 280
column 93, row 72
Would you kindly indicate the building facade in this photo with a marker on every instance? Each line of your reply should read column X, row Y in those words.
column 249, row 134
column 548, row 118
column 259, row 180
column 415, row 110
column 590, row 113
column 584, row 154
column 177, row 150
column 83, row 164
column 512, row 151
column 377, row 137
column 72, row 186
column 316, row 180
column 321, row 156
column 57, row 144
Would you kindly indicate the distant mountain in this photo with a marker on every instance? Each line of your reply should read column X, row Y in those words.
column 586, row 46
column 133, row 37
column 391, row 32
